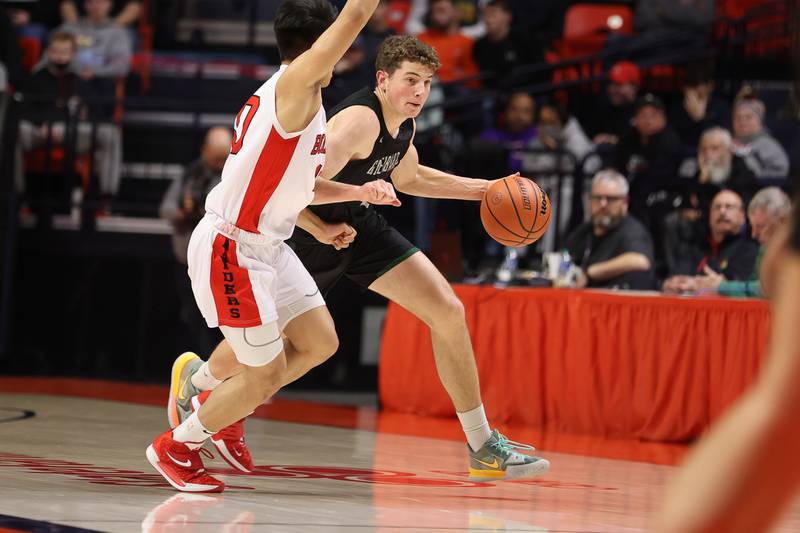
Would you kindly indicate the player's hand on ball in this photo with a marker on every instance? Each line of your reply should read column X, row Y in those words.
column 337, row 235
column 379, row 192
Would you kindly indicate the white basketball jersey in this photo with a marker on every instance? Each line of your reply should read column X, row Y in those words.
column 269, row 175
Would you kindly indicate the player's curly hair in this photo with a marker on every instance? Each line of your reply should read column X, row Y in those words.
column 398, row 48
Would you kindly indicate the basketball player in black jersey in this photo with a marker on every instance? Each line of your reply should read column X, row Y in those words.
column 370, row 136
column 746, row 469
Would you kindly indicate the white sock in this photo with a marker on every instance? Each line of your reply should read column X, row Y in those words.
column 476, row 427
column 203, row 379
column 191, row 432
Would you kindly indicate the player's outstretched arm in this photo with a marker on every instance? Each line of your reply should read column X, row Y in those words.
column 316, row 64
column 412, row 178
column 377, row 192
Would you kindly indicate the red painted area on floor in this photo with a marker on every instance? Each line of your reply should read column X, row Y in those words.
column 363, row 418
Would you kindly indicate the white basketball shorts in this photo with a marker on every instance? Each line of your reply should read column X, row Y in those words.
column 248, row 281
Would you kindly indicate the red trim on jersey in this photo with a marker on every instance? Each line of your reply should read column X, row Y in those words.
column 230, row 285
column 268, row 173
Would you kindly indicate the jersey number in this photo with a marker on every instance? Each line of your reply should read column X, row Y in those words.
column 240, row 125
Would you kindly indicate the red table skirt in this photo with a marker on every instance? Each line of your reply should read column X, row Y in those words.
column 648, row 367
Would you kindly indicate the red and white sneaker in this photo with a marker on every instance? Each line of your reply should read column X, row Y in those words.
column 181, row 466
column 229, row 440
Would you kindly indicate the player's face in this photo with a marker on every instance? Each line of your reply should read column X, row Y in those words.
column 408, row 88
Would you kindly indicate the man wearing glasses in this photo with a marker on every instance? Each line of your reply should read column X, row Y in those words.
column 613, row 249
column 726, row 250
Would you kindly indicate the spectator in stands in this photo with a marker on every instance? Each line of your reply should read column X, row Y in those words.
column 718, row 169
column 558, row 136
column 613, row 249
column 104, row 49
column 55, row 98
column 453, row 46
column 768, row 211
column 700, row 109
column 184, row 205
column 558, row 130
column 502, row 49
column 649, row 153
column 610, row 118
column 726, row 249
column 468, row 14
column 125, row 12
column 517, row 128
column 762, row 153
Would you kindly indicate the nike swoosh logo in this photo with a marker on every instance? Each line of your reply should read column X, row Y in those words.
column 237, row 452
column 182, row 387
column 494, row 464
column 187, row 463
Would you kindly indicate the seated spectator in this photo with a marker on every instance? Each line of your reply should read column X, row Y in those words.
column 768, row 210
column 611, row 117
column 762, row 153
column 649, row 153
column 558, row 130
column 445, row 36
column 502, row 49
column 104, row 49
column 613, row 249
column 726, row 249
column 467, row 11
column 517, row 128
column 700, row 109
column 125, row 12
column 718, row 169
column 184, row 205
column 54, row 96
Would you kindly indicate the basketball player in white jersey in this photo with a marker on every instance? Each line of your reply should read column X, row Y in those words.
column 246, row 280
column 370, row 135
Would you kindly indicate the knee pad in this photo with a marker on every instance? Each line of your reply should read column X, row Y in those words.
column 256, row 346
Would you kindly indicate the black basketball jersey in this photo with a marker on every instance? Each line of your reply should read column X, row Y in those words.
column 386, row 155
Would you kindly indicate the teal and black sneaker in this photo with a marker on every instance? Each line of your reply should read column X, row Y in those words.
column 498, row 459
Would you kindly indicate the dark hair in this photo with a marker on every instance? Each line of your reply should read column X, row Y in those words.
column 298, row 23
column 398, row 48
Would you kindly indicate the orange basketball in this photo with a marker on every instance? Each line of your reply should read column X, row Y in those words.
column 515, row 211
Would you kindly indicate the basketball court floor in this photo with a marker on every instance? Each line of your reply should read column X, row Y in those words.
column 72, row 459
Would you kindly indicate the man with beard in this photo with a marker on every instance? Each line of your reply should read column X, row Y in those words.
column 726, row 250
column 718, row 168
column 613, row 249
